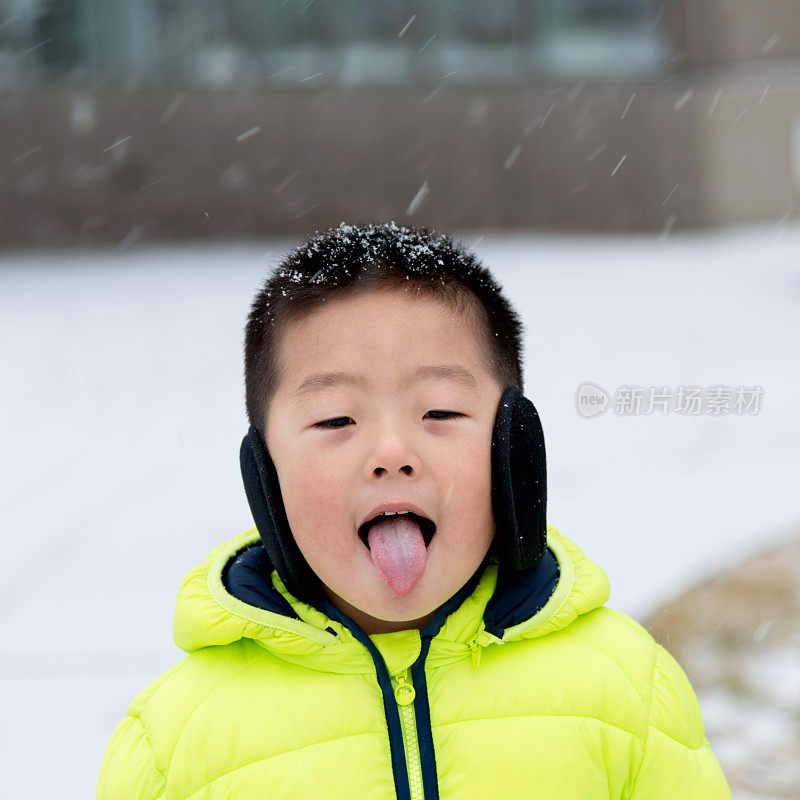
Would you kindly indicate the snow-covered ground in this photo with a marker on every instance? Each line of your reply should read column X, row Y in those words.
column 122, row 413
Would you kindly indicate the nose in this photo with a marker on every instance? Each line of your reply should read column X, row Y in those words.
column 393, row 454
column 407, row 468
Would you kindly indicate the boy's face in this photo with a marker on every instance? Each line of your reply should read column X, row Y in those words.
column 380, row 445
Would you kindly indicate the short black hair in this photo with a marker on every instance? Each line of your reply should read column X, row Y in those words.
column 351, row 258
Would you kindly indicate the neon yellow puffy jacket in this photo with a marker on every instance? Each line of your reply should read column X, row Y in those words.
column 278, row 699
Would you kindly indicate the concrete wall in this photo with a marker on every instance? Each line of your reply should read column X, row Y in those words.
column 706, row 146
column 706, row 31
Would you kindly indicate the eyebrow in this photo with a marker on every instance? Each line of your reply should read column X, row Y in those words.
column 326, row 380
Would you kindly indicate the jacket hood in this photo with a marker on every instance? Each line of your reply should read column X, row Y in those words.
column 234, row 595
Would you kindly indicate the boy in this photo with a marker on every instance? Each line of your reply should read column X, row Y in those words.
column 402, row 622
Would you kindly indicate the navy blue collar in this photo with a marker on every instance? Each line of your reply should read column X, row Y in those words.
column 517, row 597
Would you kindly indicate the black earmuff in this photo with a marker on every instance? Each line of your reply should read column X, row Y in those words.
column 269, row 514
column 519, row 496
column 519, row 482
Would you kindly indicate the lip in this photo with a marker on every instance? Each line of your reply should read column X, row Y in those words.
column 401, row 505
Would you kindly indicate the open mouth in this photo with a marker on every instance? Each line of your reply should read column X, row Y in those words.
column 427, row 526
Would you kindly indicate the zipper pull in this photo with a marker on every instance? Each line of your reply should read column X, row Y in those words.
column 404, row 692
column 476, row 652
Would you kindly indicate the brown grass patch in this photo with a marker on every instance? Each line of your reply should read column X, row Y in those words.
column 737, row 636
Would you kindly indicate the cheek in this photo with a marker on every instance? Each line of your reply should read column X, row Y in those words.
column 480, row 457
column 316, row 502
column 471, row 479
column 325, row 492
column 310, row 475
column 479, row 480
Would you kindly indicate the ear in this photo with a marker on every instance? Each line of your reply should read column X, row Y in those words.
column 519, row 482
column 269, row 514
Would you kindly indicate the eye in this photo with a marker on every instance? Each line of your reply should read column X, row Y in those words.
column 449, row 415
column 332, row 423
column 342, row 422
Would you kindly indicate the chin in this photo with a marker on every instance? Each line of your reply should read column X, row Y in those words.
column 411, row 607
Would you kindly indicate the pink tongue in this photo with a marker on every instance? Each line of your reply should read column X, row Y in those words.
column 398, row 551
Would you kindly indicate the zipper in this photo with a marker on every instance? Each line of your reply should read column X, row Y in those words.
column 407, row 757
column 476, row 652
column 478, row 642
column 404, row 694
